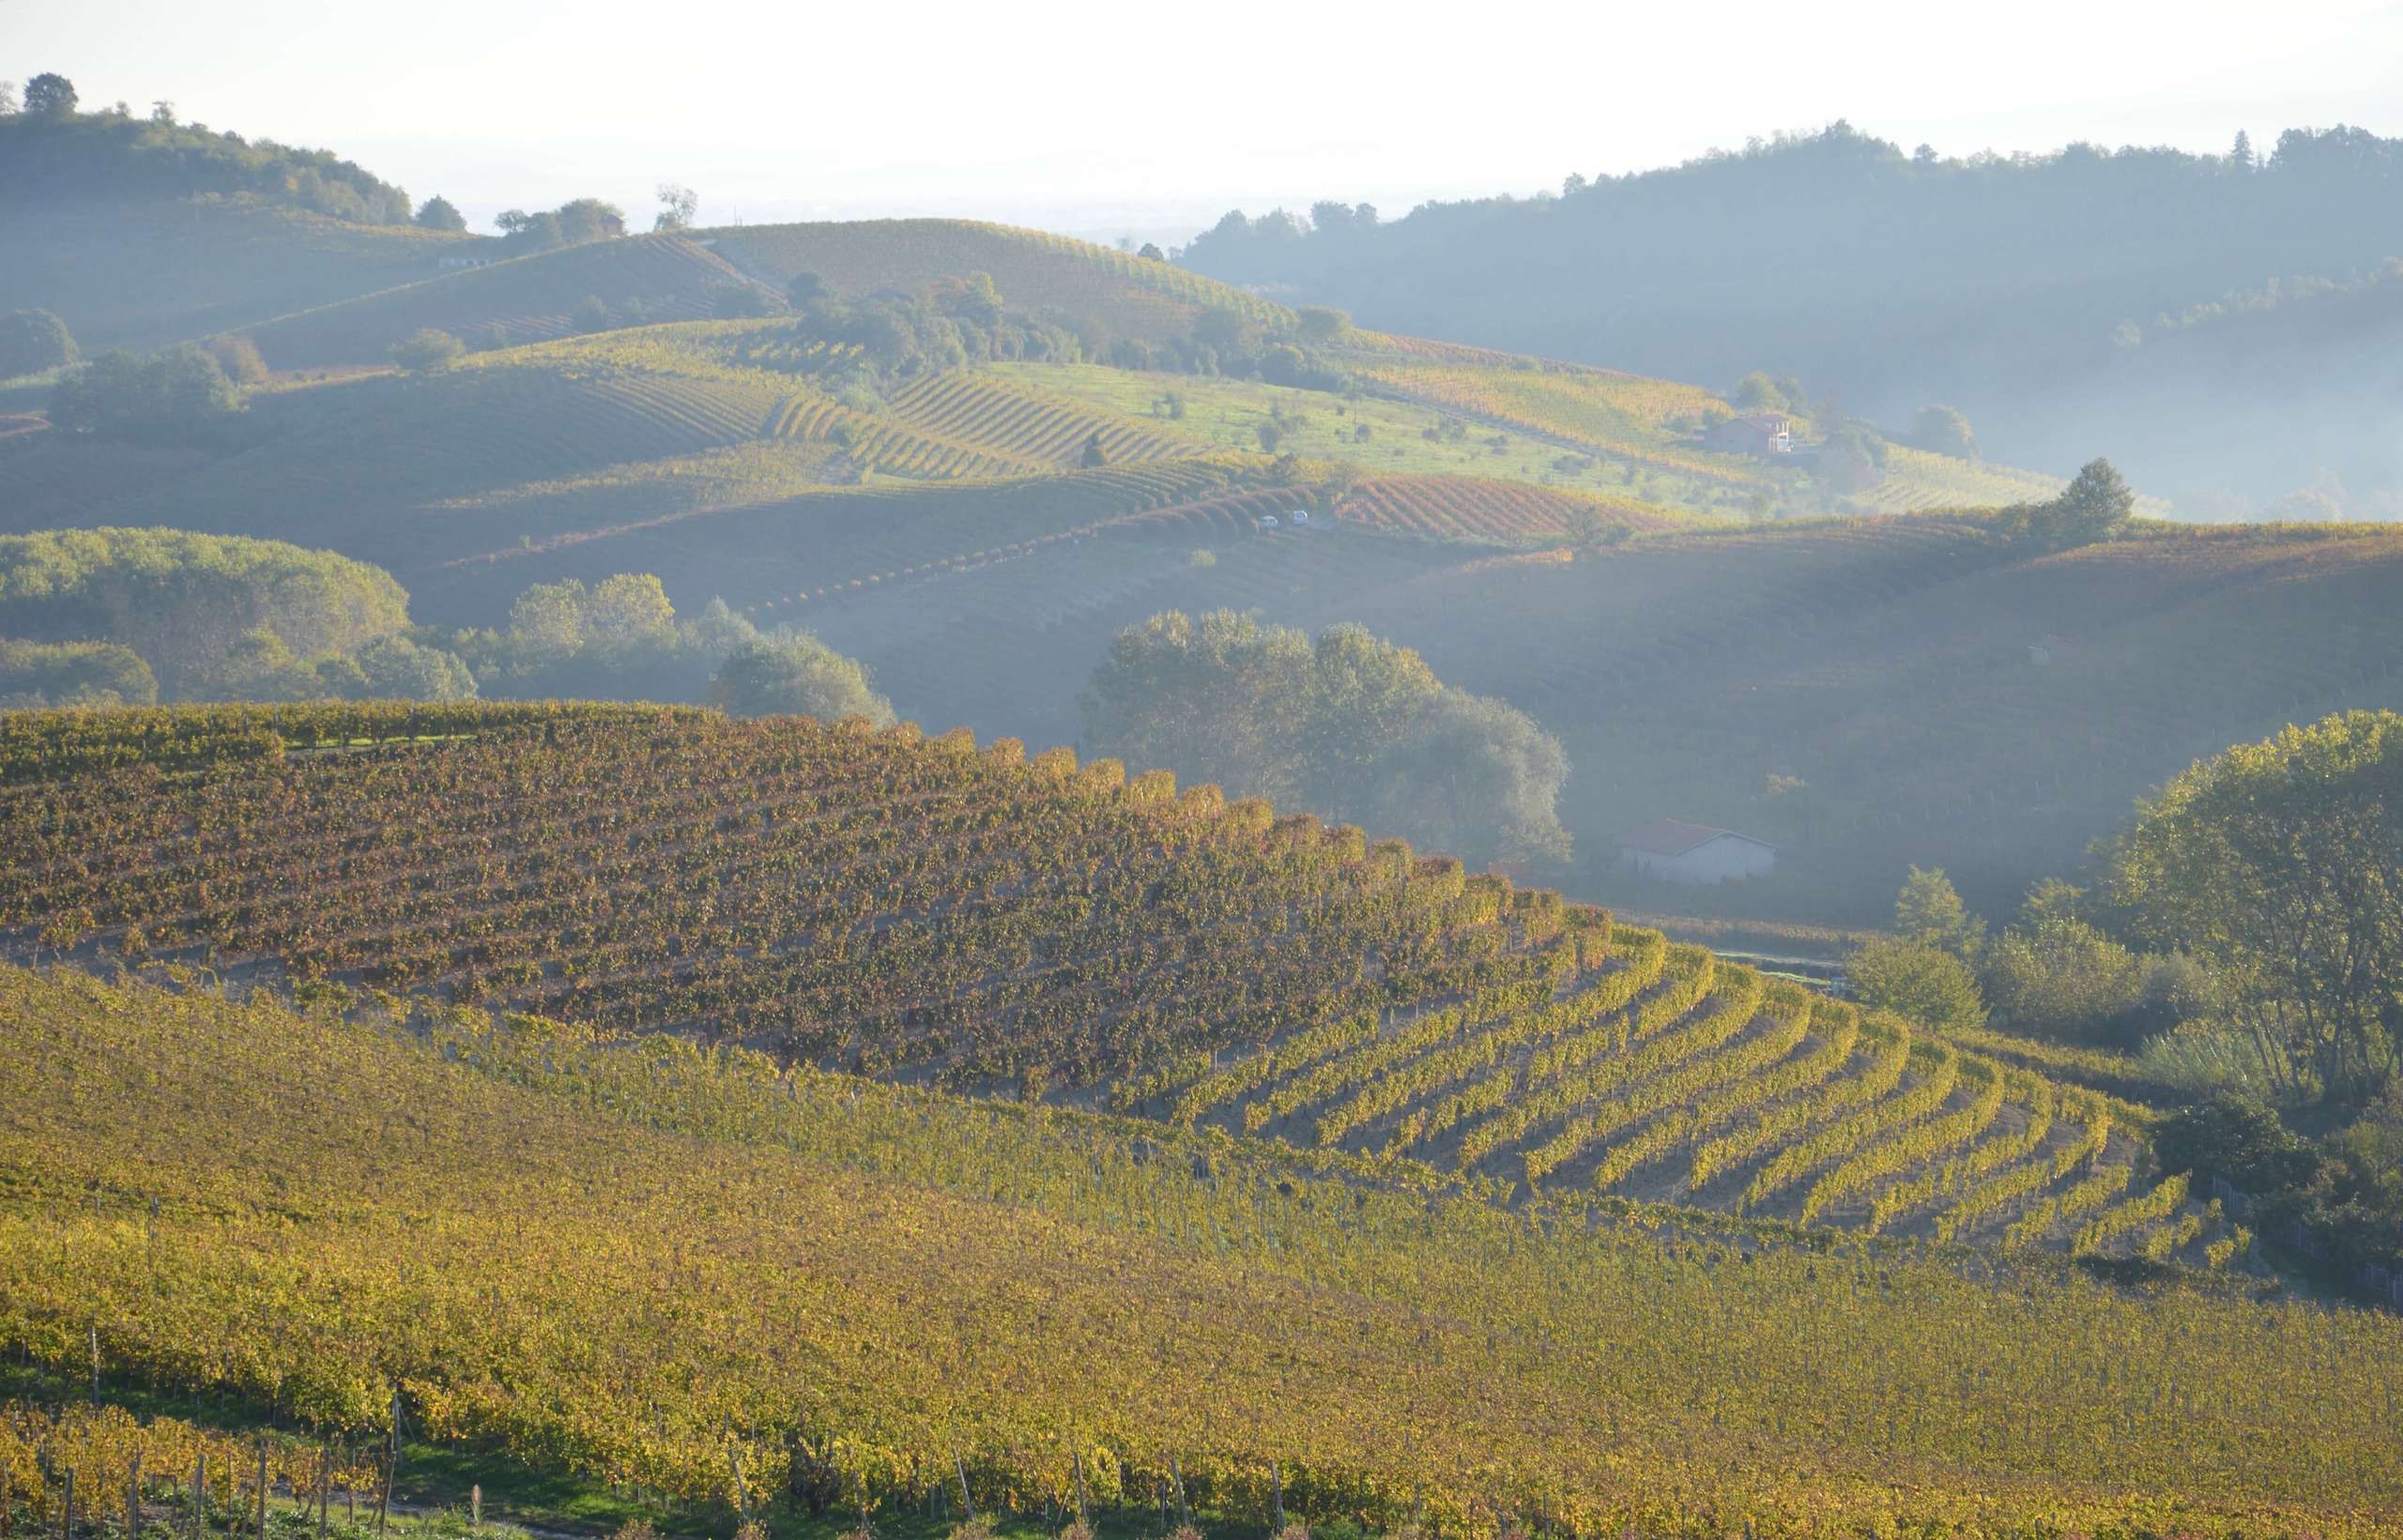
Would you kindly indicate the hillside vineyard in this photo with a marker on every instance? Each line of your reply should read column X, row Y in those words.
column 676, row 1254
column 975, row 919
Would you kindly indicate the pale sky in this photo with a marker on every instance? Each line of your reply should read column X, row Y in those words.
column 1153, row 118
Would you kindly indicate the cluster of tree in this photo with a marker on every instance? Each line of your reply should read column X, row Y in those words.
column 33, row 341
column 2346, row 1188
column 620, row 639
column 175, row 396
column 2053, row 972
column 2095, row 506
column 209, row 618
column 956, row 322
column 1345, row 723
column 1226, row 342
column 572, row 223
column 50, row 149
column 73, row 674
column 1691, row 270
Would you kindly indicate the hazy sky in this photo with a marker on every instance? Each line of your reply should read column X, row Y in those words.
column 1153, row 118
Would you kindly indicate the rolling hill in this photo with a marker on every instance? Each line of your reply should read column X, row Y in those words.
column 685, row 1275
column 922, row 910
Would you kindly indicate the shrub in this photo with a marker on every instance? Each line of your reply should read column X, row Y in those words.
column 426, row 351
column 396, row 668
column 74, row 673
column 1921, row 982
column 32, row 341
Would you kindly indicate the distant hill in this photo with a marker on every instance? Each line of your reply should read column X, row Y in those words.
column 1887, row 277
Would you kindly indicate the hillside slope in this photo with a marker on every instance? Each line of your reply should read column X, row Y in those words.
column 887, row 905
column 678, row 1266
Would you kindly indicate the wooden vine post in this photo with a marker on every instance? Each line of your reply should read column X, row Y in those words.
column 133, row 1498
column 1082, row 1517
column 67, row 1510
column 199, row 1494
column 1277, row 1494
column 262, row 1487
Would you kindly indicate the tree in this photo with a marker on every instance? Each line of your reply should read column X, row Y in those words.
column 805, row 288
column 2095, row 505
column 396, row 668
column 2279, row 865
column 50, row 95
column 8, row 98
column 1587, row 529
column 179, row 395
column 676, row 208
column 440, row 213
column 2239, row 154
column 1345, row 723
column 1323, row 324
column 32, row 341
column 2060, row 977
column 1092, row 456
column 1152, row 253
column 796, row 675
column 238, row 357
column 1928, row 911
column 589, row 218
column 1941, row 430
column 427, row 351
column 1922, row 983
column 1758, row 392
column 628, row 610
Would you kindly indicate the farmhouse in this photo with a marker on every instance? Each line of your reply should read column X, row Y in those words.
column 1763, row 433
column 1677, row 852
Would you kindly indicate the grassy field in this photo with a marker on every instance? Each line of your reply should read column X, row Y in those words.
column 682, row 1270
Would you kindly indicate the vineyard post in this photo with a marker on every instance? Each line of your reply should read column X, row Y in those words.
column 1277, row 1494
column 133, row 1498
column 1184, row 1514
column 96, row 1351
column 325, row 1484
column 1080, row 1488
column 966, row 1502
column 741, row 1495
column 199, row 1494
column 476, row 1506
column 67, row 1510
column 261, row 1487
column 384, row 1496
column 350, row 1484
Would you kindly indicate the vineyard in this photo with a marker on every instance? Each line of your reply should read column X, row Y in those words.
column 890, row 905
column 515, row 301
column 686, row 1271
column 1042, row 273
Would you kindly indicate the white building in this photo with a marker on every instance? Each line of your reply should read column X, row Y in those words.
column 1677, row 852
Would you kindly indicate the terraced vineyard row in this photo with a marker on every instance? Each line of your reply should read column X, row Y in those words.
column 1025, row 424
column 1620, row 415
column 883, row 902
column 881, row 444
column 1458, row 506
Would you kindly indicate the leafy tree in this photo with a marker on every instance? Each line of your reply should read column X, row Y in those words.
column 1092, row 456
column 2236, row 1136
column 2279, row 865
column 34, row 674
column 427, row 351
column 1921, row 982
column 2063, row 978
column 186, row 602
column 590, row 219
column 1758, row 392
column 32, row 341
column 1323, row 324
column 396, row 668
column 1270, row 433
column 805, row 288
column 238, row 357
column 8, row 98
column 1587, row 529
column 1344, row 722
column 1152, row 253
column 440, row 213
column 678, row 205
column 797, row 676
column 1942, row 429
column 50, row 95
column 179, row 395
column 1928, row 912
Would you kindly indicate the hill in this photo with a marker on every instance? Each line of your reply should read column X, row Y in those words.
column 144, row 273
column 920, row 909
column 878, row 1293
